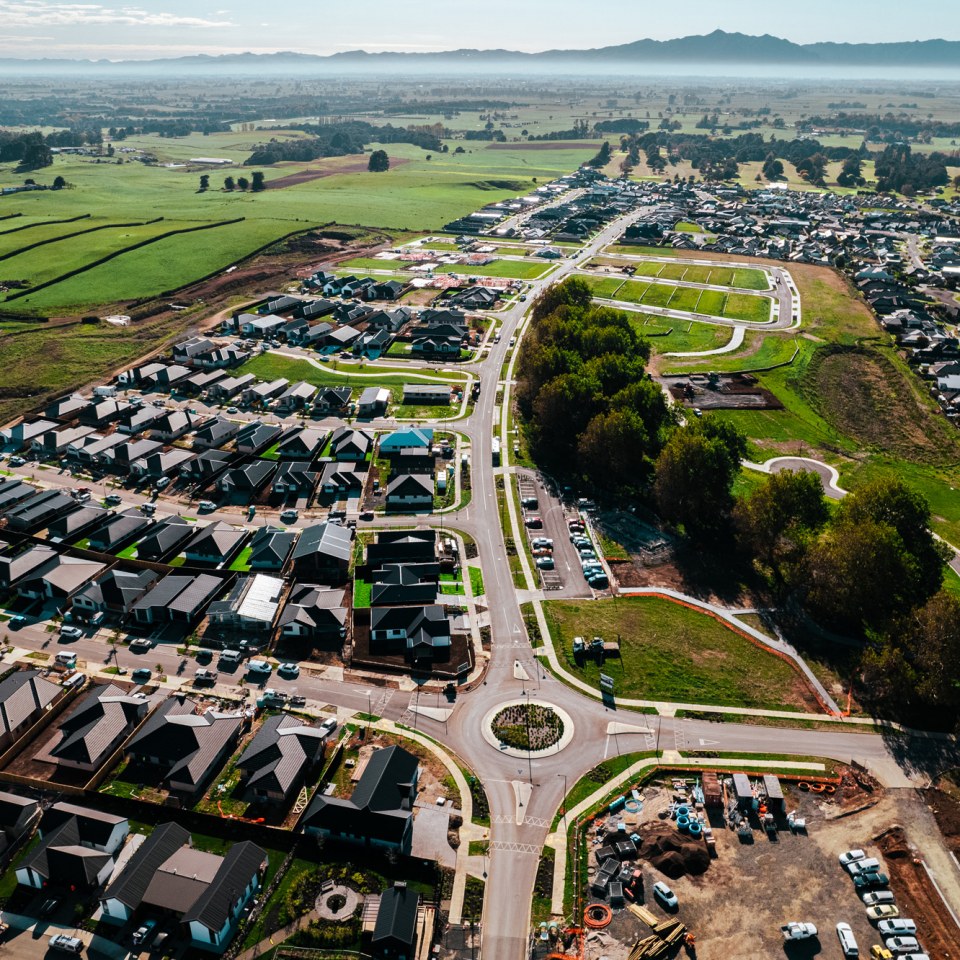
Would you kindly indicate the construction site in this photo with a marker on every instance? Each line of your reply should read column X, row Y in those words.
column 712, row 865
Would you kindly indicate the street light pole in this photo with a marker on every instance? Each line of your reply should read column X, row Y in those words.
column 564, row 798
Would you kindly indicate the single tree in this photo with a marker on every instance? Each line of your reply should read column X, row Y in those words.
column 379, row 162
column 204, row 182
column 257, row 181
column 228, row 183
column 58, row 183
column 243, row 183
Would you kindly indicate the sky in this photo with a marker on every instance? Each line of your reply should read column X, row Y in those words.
column 168, row 28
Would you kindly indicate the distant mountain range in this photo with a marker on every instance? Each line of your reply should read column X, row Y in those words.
column 718, row 48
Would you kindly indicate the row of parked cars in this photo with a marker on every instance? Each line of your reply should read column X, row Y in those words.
column 898, row 933
column 593, row 571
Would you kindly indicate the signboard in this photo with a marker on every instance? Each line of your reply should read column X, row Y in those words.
column 606, row 682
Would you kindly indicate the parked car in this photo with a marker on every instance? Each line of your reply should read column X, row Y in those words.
column 68, row 944
column 205, row 676
column 142, row 933
column 148, row 509
column 111, row 500
column 867, row 865
column 665, row 895
column 798, row 931
column 141, row 675
column 259, row 666
column 141, row 645
column 902, row 945
column 17, row 621
column 289, row 669
column 533, row 521
column 289, row 516
column 880, row 953
column 880, row 896
column 900, row 926
column 206, row 505
column 546, row 563
column 871, row 881
column 71, row 633
column 162, row 483
column 851, row 856
column 17, row 461
column 366, row 515
column 232, row 410
column 883, row 911
column 848, row 942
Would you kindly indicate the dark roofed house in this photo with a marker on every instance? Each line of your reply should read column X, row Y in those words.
column 380, row 811
column 118, row 530
column 177, row 598
column 115, row 592
column 215, row 433
column 207, row 893
column 295, row 397
column 206, row 466
column 16, row 816
column 349, row 444
column 410, row 491
column 341, row 479
column 215, row 544
column 24, row 697
column 66, row 408
column 184, row 747
column 279, row 758
column 323, row 553
column 395, row 930
column 422, row 631
column 61, row 578
column 397, row 584
column 403, row 546
column 304, row 445
column 314, row 613
column 164, row 539
column 256, row 436
column 248, row 480
column 37, row 511
column 270, row 548
column 295, row 477
column 72, row 526
column 93, row 730
column 331, row 399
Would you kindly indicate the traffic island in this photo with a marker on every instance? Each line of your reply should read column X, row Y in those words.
column 525, row 727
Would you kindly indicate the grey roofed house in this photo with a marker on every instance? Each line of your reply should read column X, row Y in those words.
column 186, row 349
column 252, row 603
column 12, row 491
column 16, row 811
column 205, row 891
column 203, row 380
column 24, row 695
column 62, row 577
column 349, row 444
column 372, row 401
column 215, row 543
column 206, row 465
column 332, row 398
column 314, row 333
column 177, row 598
column 323, row 551
column 341, row 478
column 313, row 611
column 230, row 386
column 296, row 396
column 172, row 425
column 248, row 479
column 162, row 463
column 104, row 411
column 343, row 336
column 66, row 408
column 426, row 393
column 380, row 811
column 412, row 489
column 16, row 564
column 72, row 526
column 136, row 374
column 396, row 584
column 418, row 628
column 163, row 539
column 118, row 530
column 94, row 729
column 116, row 591
column 395, row 929
column 21, row 434
column 270, row 548
column 123, row 455
column 261, row 392
column 304, row 445
column 92, row 448
column 279, row 757
column 215, row 433
column 256, row 436
column 295, row 476
column 186, row 746
column 57, row 440
column 166, row 376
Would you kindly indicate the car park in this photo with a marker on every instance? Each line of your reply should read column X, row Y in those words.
column 883, row 911
column 848, row 942
column 665, row 895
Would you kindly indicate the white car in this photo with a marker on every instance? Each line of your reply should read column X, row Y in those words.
column 877, row 896
column 664, row 894
column 290, row 669
column 141, row 645
column 900, row 926
column 259, row 666
column 288, row 516
column 848, row 942
column 850, row 857
column 867, row 865
column 902, row 944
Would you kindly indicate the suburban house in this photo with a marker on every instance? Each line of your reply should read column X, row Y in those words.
column 117, row 531
column 402, row 546
column 323, row 553
column 207, row 893
column 295, row 397
column 270, row 548
column 162, row 463
column 94, row 729
column 277, row 762
column 421, row 631
column 70, row 527
column 76, row 849
column 411, row 460
column 341, row 479
column 215, row 544
column 395, row 929
column 229, row 387
column 251, row 605
column 182, row 747
column 177, row 598
column 407, row 438
column 15, row 564
column 247, row 481
column 114, row 593
column 397, row 584
column 313, row 612
column 331, row 400
column 172, row 426
column 165, row 378
column 135, row 375
column 263, row 393
column 380, row 811
column 21, row 434
column 303, row 445
column 59, row 579
column 165, row 539
column 54, row 442
column 215, row 433
column 24, row 697
column 373, row 402
column 186, row 350
column 122, row 457
column 295, row 478
column 105, row 411
column 205, row 466
column 411, row 491
column 12, row 491
column 256, row 436
column 426, row 393
column 349, row 444
column 17, row 815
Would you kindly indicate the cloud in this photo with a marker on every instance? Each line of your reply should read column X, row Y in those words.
column 33, row 13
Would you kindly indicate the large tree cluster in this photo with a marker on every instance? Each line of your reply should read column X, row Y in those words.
column 592, row 412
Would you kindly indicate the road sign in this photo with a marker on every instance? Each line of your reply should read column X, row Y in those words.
column 606, row 682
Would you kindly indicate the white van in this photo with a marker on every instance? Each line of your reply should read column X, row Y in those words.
column 70, row 944
column 259, row 666
column 66, row 659
column 848, row 942
column 230, row 656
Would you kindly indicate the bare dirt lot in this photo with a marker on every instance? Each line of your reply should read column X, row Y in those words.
column 736, row 907
column 328, row 170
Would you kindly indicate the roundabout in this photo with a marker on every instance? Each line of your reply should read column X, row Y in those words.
column 527, row 727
